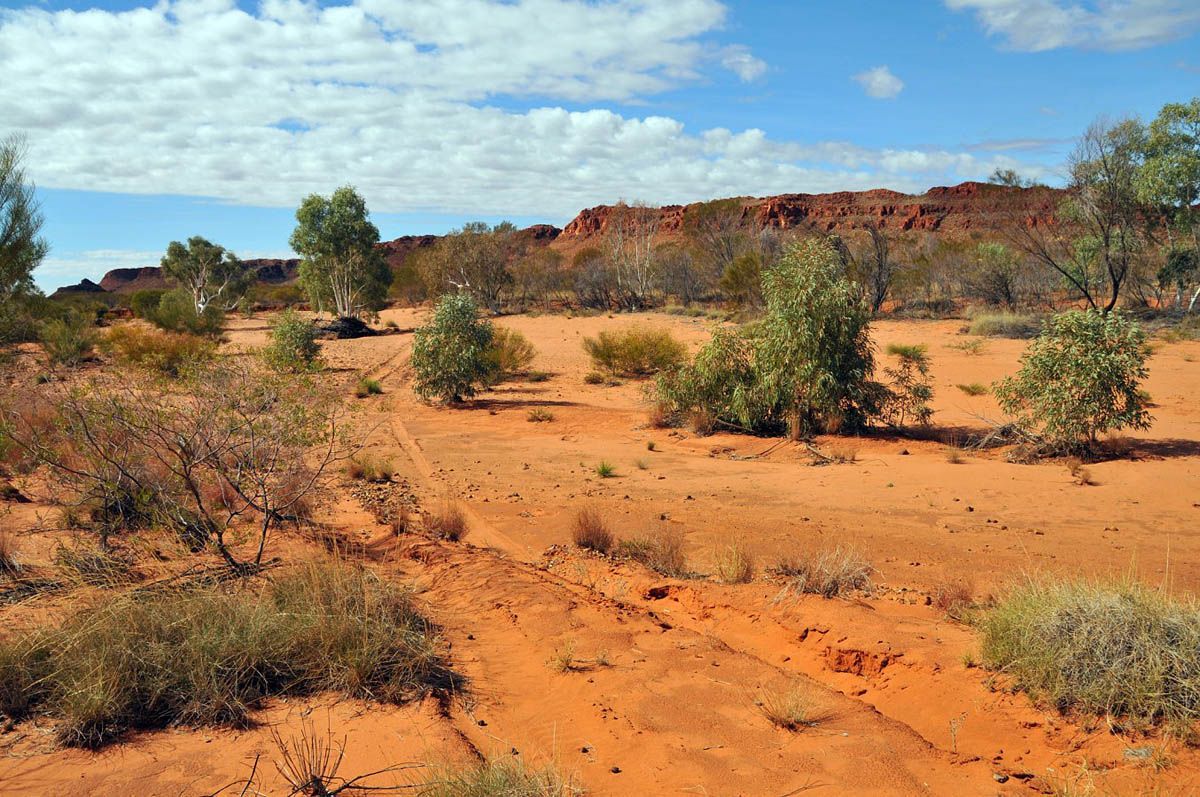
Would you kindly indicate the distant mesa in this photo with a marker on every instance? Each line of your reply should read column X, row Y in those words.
column 970, row 209
column 83, row 286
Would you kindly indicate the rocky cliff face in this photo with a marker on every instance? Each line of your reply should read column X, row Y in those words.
column 955, row 210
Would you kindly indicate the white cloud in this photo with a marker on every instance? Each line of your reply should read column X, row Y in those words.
column 738, row 60
column 1036, row 25
column 423, row 106
column 880, row 83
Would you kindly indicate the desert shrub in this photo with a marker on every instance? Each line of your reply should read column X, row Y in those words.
column 591, row 531
column 789, row 707
column 294, row 346
column 510, row 353
column 1003, row 325
column 448, row 523
column 176, row 312
column 911, row 387
column 972, row 348
column 367, row 387
column 827, row 572
column 593, row 378
column 717, row 387
column 1080, row 378
column 226, row 449
column 370, row 468
column 210, row 656
column 539, row 415
column 171, row 353
column 506, row 776
column 973, row 389
column 635, row 351
column 1120, row 650
column 68, row 341
column 662, row 550
column 144, row 303
column 954, row 597
column 735, row 563
column 450, row 353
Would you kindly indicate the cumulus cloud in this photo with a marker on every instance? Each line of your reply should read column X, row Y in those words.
column 1036, row 25
column 442, row 105
column 880, row 83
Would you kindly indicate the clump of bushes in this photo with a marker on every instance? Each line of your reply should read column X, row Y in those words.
column 1003, row 325
column 176, row 312
column 510, row 354
column 450, row 356
column 210, row 656
column 144, row 303
column 294, row 346
column 828, row 572
column 1080, row 378
column 1118, row 650
column 68, row 341
column 168, row 352
column 635, row 351
column 591, row 531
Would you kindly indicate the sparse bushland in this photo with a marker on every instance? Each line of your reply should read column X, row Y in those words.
column 293, row 345
column 635, row 352
column 449, row 522
column 1120, row 650
column 209, row 656
column 1003, row 325
column 509, row 354
column 789, row 707
column 171, row 353
column 68, row 341
column 1080, row 378
column 176, row 312
column 591, row 531
column 735, row 564
column 661, row 550
column 450, row 353
column 827, row 572
column 503, row 775
column 367, row 387
column 220, row 456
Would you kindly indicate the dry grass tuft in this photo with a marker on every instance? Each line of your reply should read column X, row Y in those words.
column 539, row 415
column 1117, row 650
column 662, row 550
column 506, row 776
column 973, row 389
column 1081, row 474
column 735, row 563
column 8, row 553
column 955, row 598
column 370, row 468
column 789, row 707
column 367, row 387
column 591, row 531
column 828, row 572
column 955, row 456
column 448, row 523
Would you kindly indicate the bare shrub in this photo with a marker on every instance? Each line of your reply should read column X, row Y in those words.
column 828, row 572
column 310, row 763
column 954, row 597
column 448, row 523
column 591, row 531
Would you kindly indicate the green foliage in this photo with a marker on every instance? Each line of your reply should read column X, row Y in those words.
column 1169, row 177
column 605, row 470
column 635, row 351
column 68, row 341
column 813, row 351
column 367, row 387
column 171, row 353
column 210, row 656
column 717, row 387
column 450, row 353
column 911, row 388
column 207, row 273
column 22, row 248
column 1119, row 650
column 511, row 353
column 741, row 280
column 1081, row 377
column 176, row 312
column 144, row 303
column 473, row 260
column 293, row 345
column 342, row 267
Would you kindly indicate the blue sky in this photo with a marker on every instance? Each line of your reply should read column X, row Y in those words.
column 147, row 123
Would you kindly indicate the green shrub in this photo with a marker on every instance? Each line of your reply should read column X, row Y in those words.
column 717, row 387
column 172, row 353
column 911, row 388
column 1003, row 325
column 1119, row 650
column 1081, row 377
column 367, row 387
column 176, row 312
column 68, row 341
column 511, row 353
column 450, row 353
column 636, row 351
column 605, row 470
column 293, row 345
column 210, row 656
column 145, row 303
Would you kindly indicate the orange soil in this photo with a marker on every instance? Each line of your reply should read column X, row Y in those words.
column 899, row 712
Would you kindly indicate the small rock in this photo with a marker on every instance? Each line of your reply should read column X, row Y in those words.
column 1000, row 777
